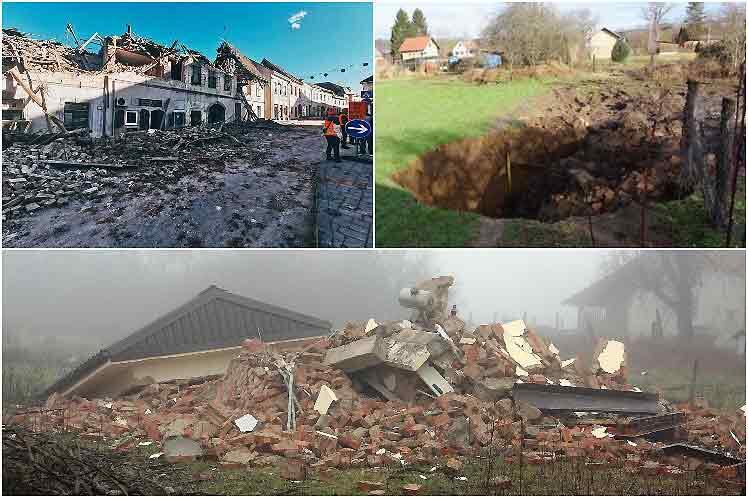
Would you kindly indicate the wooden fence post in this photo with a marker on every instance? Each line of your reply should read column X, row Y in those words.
column 692, row 391
column 690, row 172
column 724, row 165
column 739, row 144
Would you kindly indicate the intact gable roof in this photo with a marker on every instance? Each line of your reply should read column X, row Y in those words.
column 214, row 319
column 611, row 33
column 280, row 70
column 416, row 44
column 334, row 88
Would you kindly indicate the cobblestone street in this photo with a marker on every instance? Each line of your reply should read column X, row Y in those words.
column 344, row 203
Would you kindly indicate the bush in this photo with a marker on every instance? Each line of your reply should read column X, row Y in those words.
column 621, row 51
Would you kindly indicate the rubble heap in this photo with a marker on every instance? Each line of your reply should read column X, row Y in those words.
column 412, row 392
column 52, row 174
column 42, row 55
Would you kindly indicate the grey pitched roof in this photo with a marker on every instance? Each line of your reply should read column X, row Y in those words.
column 279, row 69
column 214, row 319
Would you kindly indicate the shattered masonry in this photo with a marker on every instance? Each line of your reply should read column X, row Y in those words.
column 414, row 391
column 133, row 83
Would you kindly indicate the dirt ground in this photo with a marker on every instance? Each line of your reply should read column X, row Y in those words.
column 257, row 192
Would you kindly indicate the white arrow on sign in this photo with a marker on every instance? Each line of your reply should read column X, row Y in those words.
column 359, row 128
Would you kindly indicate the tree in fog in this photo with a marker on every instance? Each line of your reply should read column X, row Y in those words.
column 673, row 277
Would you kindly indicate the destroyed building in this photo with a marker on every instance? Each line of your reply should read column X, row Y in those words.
column 197, row 339
column 133, row 83
column 414, row 391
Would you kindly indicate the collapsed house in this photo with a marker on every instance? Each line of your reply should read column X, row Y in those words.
column 133, row 83
column 413, row 391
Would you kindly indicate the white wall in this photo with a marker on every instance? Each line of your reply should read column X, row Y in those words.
column 88, row 88
column 601, row 45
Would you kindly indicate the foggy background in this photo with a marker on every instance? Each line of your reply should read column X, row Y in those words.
column 93, row 298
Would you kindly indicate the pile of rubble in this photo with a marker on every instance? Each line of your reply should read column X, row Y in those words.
column 414, row 391
column 42, row 55
column 52, row 174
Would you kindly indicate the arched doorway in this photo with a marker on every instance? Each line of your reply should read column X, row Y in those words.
column 216, row 113
column 145, row 119
column 157, row 119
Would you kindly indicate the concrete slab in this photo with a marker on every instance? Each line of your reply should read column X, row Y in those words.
column 357, row 355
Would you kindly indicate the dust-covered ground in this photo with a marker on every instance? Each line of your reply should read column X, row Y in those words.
column 239, row 185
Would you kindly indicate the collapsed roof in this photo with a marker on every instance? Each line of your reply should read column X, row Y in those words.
column 50, row 55
column 126, row 52
column 231, row 60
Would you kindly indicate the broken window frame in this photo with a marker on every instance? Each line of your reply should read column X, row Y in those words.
column 73, row 109
column 197, row 75
column 212, row 79
column 227, row 82
column 173, row 119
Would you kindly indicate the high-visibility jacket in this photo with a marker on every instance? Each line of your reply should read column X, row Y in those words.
column 343, row 119
column 330, row 128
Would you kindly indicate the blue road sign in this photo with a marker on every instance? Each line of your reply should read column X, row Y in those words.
column 358, row 128
column 367, row 94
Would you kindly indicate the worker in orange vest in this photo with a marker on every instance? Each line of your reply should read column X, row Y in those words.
column 343, row 118
column 331, row 130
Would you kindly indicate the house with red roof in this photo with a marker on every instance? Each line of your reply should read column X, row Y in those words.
column 419, row 48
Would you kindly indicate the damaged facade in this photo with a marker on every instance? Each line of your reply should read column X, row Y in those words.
column 133, row 83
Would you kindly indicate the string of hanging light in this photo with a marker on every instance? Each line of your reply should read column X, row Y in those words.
column 343, row 69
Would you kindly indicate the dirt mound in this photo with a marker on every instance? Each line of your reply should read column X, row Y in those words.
column 583, row 154
column 498, row 75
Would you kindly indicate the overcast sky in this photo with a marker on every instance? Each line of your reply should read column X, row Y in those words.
column 106, row 295
column 457, row 19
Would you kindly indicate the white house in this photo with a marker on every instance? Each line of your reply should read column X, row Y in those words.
column 421, row 48
column 465, row 49
column 600, row 44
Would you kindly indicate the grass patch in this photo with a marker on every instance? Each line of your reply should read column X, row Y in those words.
column 721, row 391
column 414, row 116
column 532, row 233
column 688, row 224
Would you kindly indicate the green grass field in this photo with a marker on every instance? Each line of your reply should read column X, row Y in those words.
column 414, row 116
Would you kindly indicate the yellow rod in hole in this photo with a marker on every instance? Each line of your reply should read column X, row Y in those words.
column 508, row 171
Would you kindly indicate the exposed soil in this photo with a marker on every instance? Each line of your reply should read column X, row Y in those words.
column 257, row 192
column 585, row 149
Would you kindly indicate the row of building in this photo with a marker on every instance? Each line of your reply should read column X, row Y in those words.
column 426, row 49
column 133, row 83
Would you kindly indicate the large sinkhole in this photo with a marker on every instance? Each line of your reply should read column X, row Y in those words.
column 564, row 168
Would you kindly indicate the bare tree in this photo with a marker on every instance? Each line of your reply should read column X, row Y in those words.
column 530, row 33
column 673, row 277
column 734, row 38
column 654, row 13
